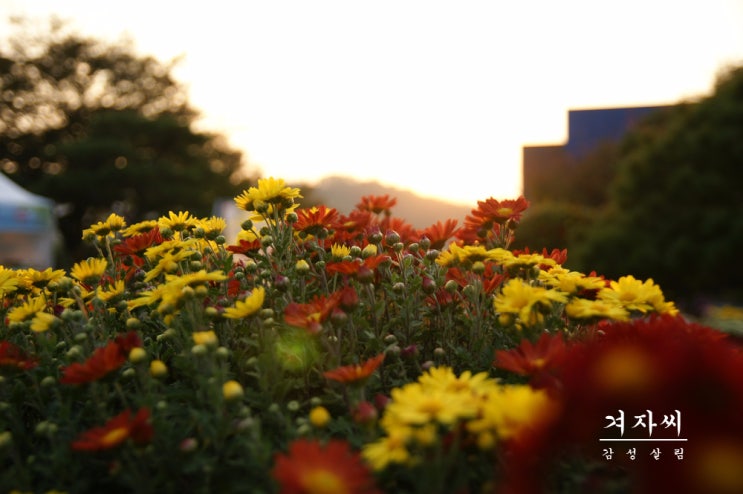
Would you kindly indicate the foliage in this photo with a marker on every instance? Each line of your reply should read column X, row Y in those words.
column 675, row 199
column 350, row 353
column 98, row 128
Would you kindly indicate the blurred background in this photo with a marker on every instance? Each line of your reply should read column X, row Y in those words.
column 622, row 124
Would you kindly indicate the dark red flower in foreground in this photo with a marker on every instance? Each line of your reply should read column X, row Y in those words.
column 12, row 356
column 311, row 467
column 103, row 361
column 117, row 430
column 355, row 374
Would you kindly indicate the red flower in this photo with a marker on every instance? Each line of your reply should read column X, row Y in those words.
column 103, row 361
column 311, row 315
column 309, row 467
column 12, row 356
column 116, row 431
column 440, row 233
column 312, row 220
column 530, row 359
column 355, row 374
column 244, row 247
column 377, row 204
column 137, row 245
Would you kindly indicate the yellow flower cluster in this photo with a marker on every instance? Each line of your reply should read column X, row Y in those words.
column 440, row 402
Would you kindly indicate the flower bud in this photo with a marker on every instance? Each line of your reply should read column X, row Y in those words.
column 302, row 266
column 137, row 355
column 232, row 390
column 158, row 369
column 319, row 416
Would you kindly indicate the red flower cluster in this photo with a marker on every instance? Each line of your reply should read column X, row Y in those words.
column 103, row 361
column 661, row 365
column 310, row 316
column 117, row 430
column 12, row 356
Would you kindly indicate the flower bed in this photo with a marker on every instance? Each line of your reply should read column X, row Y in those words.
column 324, row 353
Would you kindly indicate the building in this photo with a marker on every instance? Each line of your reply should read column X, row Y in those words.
column 543, row 167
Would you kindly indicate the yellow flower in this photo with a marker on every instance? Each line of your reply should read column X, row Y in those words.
column 319, row 416
column 232, row 390
column 269, row 191
column 570, row 282
column 520, row 298
column 137, row 355
column 8, row 281
column 111, row 225
column 417, row 405
column 27, row 310
column 212, row 226
column 89, row 271
column 247, row 307
column 635, row 295
column 582, row 308
column 158, row 368
column 177, row 222
column 112, row 291
column 391, row 449
column 206, row 338
column 139, row 228
column 42, row 321
column 339, row 251
column 510, row 410
column 40, row 279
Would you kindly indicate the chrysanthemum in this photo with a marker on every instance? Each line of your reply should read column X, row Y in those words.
column 389, row 449
column 529, row 358
column 111, row 225
column 445, row 379
column 89, row 271
column 104, row 360
column 177, row 222
column 43, row 321
column 212, row 226
column 270, row 191
column 27, row 310
column 8, row 281
column 205, row 338
column 247, row 307
column 112, row 292
column 139, row 228
column 116, row 431
column 377, row 204
column 492, row 211
column 313, row 220
column 520, row 299
column 416, row 405
column 355, row 374
column 310, row 467
column 571, row 282
column 39, row 279
column 440, row 233
column 312, row 314
column 581, row 308
column 637, row 296
column 509, row 411
column 12, row 356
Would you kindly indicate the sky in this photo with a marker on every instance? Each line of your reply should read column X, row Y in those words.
column 434, row 96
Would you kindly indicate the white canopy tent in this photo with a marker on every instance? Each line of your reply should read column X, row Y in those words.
column 28, row 231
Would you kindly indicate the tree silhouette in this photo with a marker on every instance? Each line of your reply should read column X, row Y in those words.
column 98, row 128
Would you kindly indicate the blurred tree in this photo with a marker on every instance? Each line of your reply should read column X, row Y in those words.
column 676, row 211
column 98, row 128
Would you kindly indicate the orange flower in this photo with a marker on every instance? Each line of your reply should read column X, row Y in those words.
column 116, row 431
column 355, row 374
column 103, row 361
column 312, row 220
column 311, row 315
column 12, row 356
column 377, row 204
column 440, row 233
column 311, row 468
